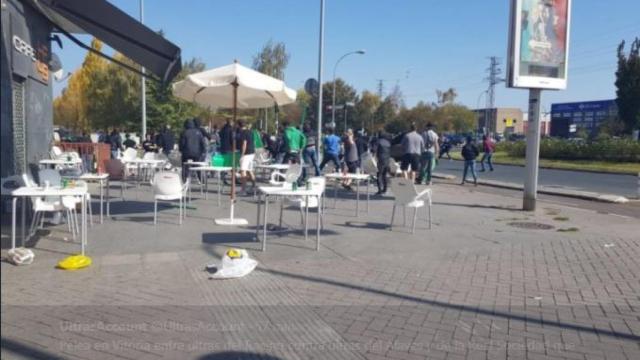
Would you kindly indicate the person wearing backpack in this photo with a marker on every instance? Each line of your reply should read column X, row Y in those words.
column 470, row 153
column 428, row 158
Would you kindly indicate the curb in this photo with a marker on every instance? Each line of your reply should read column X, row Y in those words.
column 560, row 169
column 585, row 195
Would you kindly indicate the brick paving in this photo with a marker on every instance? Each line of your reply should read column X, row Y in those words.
column 473, row 287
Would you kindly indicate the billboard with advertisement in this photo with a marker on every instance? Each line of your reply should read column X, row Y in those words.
column 539, row 44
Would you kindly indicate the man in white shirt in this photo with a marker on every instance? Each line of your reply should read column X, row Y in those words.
column 428, row 159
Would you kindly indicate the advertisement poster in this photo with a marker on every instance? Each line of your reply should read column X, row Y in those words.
column 539, row 43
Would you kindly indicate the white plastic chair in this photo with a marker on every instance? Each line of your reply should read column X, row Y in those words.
column 116, row 170
column 316, row 183
column 56, row 152
column 289, row 177
column 394, row 168
column 42, row 205
column 128, row 155
column 407, row 196
column 369, row 165
column 168, row 186
column 54, row 179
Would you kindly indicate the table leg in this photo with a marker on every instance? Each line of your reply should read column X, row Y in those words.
column 14, row 205
column 108, row 202
column 219, row 186
column 320, row 202
column 368, row 182
column 357, row 198
column 83, row 230
column 101, row 200
column 189, row 187
column 258, row 221
column 306, row 218
column 206, row 185
column 264, row 233
column 23, row 220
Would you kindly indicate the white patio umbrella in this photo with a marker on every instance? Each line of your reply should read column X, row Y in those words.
column 235, row 87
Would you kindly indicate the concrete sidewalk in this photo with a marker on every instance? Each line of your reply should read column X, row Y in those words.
column 488, row 281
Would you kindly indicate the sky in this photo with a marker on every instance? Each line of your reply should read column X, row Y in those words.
column 419, row 45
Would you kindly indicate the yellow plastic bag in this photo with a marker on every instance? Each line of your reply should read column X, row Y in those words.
column 234, row 253
column 74, row 262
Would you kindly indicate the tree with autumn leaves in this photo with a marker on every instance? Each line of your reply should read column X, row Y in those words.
column 102, row 95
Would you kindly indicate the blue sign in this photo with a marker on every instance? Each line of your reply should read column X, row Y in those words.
column 603, row 105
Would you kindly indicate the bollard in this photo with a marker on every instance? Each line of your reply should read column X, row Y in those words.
column 638, row 186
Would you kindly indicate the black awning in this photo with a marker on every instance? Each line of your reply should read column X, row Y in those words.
column 118, row 30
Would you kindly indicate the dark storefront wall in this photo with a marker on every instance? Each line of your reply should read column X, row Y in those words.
column 26, row 89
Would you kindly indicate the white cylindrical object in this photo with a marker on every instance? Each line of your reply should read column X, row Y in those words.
column 533, row 151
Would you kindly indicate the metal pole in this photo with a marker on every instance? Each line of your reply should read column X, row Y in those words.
column 320, row 53
column 533, row 151
column 345, row 118
column 144, row 85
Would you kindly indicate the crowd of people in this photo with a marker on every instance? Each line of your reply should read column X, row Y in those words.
column 417, row 150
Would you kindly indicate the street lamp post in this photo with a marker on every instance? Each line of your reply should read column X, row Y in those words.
column 333, row 102
column 143, row 83
column 320, row 54
column 346, row 105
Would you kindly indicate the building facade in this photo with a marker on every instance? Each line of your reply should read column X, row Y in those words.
column 26, row 113
column 500, row 121
column 569, row 118
column 28, row 29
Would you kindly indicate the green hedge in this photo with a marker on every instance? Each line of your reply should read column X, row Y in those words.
column 617, row 150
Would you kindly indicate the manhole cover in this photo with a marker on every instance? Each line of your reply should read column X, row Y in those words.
column 530, row 225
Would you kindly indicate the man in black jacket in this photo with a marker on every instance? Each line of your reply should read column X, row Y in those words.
column 192, row 145
column 226, row 138
column 470, row 153
column 166, row 140
column 383, row 154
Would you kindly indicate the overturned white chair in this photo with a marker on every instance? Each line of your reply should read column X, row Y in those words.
column 292, row 175
column 407, row 196
column 168, row 186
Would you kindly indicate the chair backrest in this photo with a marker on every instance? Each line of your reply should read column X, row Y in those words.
column 403, row 190
column 293, row 173
column 149, row 156
column 262, row 156
column 28, row 181
column 318, row 183
column 130, row 154
column 368, row 164
column 56, row 152
column 394, row 168
column 50, row 175
column 115, row 169
column 167, row 183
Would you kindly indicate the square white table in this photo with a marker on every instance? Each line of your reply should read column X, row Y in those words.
column 267, row 191
column 54, row 191
column 60, row 162
column 143, row 162
column 204, row 170
column 355, row 177
column 103, row 181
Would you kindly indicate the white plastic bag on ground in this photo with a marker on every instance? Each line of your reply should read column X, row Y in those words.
column 20, row 256
column 236, row 263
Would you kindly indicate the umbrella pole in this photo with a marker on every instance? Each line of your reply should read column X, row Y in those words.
column 231, row 220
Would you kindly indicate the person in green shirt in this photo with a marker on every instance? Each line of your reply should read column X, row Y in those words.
column 294, row 142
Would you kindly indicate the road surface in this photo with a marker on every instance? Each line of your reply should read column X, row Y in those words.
column 624, row 185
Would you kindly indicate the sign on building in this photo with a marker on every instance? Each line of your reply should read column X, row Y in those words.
column 539, row 44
